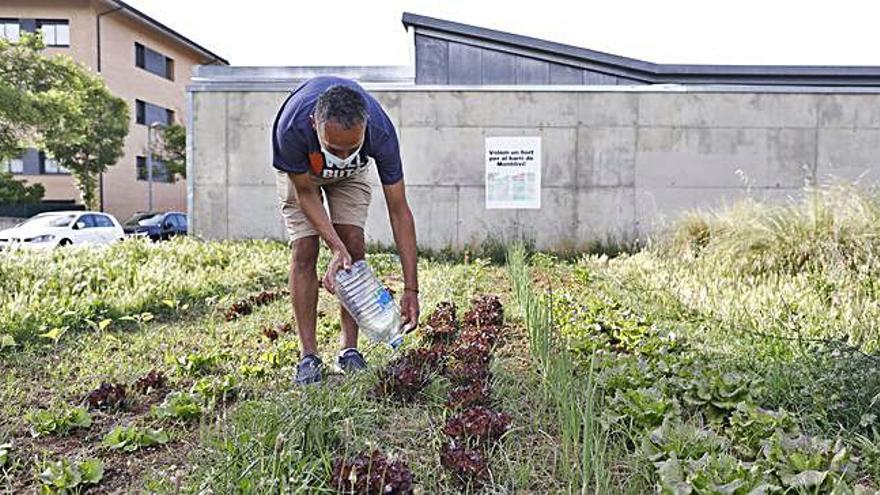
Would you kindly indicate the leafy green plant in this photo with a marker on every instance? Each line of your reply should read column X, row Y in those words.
column 869, row 452
column 751, row 425
column 804, row 462
column 65, row 476
column 131, row 438
column 198, row 363
column 681, row 440
column 217, row 389
column 644, row 407
column 711, row 474
column 626, row 372
column 179, row 405
column 252, row 370
column 284, row 354
column 59, row 420
column 716, row 391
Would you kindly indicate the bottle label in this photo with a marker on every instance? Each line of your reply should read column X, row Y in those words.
column 383, row 297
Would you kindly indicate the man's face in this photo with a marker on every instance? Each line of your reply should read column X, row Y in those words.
column 338, row 140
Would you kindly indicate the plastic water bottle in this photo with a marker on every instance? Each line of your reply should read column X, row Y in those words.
column 369, row 303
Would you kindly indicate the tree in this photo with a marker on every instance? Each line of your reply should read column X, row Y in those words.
column 89, row 134
column 23, row 84
column 60, row 106
column 14, row 191
column 172, row 151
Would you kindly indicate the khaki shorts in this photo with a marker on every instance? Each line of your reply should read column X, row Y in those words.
column 348, row 200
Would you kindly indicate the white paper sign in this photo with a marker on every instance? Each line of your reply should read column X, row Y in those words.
column 513, row 172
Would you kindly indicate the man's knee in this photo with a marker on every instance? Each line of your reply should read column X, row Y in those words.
column 353, row 238
column 305, row 253
column 357, row 253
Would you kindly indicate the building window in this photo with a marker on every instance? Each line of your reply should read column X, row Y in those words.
column 147, row 113
column 10, row 30
column 153, row 61
column 49, row 166
column 140, row 111
column 15, row 165
column 55, row 33
column 169, row 68
column 139, row 55
column 160, row 173
column 141, row 168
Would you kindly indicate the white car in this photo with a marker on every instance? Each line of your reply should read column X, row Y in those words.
column 63, row 228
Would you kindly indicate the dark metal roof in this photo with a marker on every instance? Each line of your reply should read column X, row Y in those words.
column 140, row 16
column 639, row 69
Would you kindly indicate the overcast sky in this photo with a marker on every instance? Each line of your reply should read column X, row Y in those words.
column 369, row 32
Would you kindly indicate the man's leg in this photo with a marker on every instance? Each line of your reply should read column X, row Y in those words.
column 304, row 291
column 353, row 238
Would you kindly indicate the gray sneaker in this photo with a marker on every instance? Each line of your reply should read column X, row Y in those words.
column 309, row 370
column 351, row 361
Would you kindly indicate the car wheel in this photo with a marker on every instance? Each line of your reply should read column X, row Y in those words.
column 65, row 242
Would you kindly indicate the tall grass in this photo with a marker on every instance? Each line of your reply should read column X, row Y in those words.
column 571, row 394
column 72, row 289
column 833, row 227
column 284, row 444
column 807, row 269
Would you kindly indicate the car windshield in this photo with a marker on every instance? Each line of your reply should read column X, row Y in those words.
column 137, row 219
column 49, row 221
column 153, row 220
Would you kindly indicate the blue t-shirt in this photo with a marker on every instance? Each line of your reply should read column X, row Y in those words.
column 295, row 145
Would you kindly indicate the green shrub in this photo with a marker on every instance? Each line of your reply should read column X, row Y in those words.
column 17, row 192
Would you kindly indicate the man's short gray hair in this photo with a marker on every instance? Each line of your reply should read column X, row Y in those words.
column 342, row 104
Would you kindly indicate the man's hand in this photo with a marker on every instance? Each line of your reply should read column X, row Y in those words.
column 341, row 261
column 409, row 309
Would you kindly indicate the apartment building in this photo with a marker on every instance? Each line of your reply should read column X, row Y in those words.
column 143, row 61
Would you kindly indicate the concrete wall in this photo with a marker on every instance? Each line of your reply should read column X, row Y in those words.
column 617, row 162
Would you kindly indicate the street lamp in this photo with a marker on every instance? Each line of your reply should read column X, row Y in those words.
column 154, row 125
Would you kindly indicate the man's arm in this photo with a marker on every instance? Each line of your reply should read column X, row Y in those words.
column 309, row 200
column 404, row 229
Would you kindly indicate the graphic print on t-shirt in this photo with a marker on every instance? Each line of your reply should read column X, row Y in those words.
column 320, row 168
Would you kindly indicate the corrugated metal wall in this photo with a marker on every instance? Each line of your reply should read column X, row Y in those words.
column 441, row 61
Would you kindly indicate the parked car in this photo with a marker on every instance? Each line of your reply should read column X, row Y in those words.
column 63, row 228
column 131, row 223
column 157, row 226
